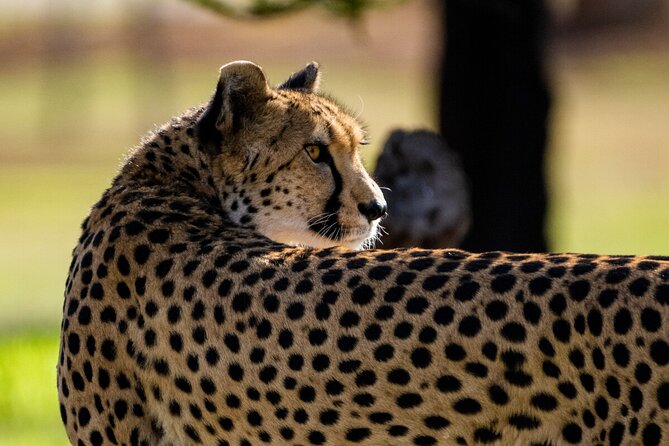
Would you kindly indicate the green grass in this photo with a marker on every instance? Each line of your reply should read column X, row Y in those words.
column 610, row 155
column 29, row 400
column 40, row 213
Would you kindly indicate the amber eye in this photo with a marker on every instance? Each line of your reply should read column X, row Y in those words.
column 313, row 151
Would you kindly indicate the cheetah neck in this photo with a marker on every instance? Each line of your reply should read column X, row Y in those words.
column 170, row 158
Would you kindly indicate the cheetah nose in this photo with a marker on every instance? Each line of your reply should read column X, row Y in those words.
column 373, row 210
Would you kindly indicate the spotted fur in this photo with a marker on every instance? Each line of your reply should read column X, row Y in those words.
column 184, row 325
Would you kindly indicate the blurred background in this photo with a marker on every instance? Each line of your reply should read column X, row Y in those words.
column 81, row 82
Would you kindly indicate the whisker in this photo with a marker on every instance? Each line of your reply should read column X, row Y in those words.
column 362, row 108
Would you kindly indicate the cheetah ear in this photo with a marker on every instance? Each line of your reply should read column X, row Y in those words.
column 241, row 91
column 308, row 80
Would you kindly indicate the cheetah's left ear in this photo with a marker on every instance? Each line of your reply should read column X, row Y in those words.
column 308, row 79
column 242, row 90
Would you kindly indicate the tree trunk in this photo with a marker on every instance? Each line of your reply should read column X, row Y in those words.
column 494, row 113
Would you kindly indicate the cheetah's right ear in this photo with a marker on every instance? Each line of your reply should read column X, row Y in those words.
column 241, row 90
column 308, row 79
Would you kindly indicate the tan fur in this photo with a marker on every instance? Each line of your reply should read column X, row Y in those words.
column 183, row 324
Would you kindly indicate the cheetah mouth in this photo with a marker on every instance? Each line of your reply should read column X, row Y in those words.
column 328, row 229
column 326, row 225
column 322, row 232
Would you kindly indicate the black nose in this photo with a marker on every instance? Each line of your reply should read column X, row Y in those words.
column 373, row 210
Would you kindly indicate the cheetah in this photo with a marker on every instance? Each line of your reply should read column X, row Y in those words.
column 219, row 295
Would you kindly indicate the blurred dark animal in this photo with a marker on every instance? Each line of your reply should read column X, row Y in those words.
column 426, row 191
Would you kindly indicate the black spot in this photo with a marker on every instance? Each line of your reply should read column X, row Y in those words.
column 444, row 315
column 651, row 320
column 409, row 400
column 347, row 343
column 524, row 422
column 455, row 352
column 579, row 290
column 436, row 422
column 295, row 311
column 466, row 291
column 316, row 438
column 572, row 433
column 607, row 297
column 514, row 332
column 73, row 343
column 397, row 430
column 159, row 236
column 421, row 263
column 421, row 358
column 595, row 322
column 622, row 322
column 568, row 390
column 417, row 305
column 498, row 395
column 84, row 416
column 469, row 326
column 362, row 295
column 496, row 310
column 304, row 286
column 642, row 373
column 476, row 369
column 558, row 304
column 539, row 285
column 122, row 290
column 616, row 434
column 379, row 272
column 613, row 387
column 424, row 440
column 183, row 384
column 446, row 383
column 639, row 286
column 334, row 387
column 403, row 330
column 602, row 408
column 96, row 438
column 544, row 401
column 356, row 435
column 502, row 284
column 236, row 372
column 617, row 275
column 577, row 358
column 659, row 351
column 427, row 335
column 467, row 406
column 532, row 312
column 241, row 302
column 108, row 350
column 652, row 435
column 486, row 436
column 433, row 283
column 662, row 294
column 621, row 355
column 134, row 227
column 583, row 268
column 562, row 330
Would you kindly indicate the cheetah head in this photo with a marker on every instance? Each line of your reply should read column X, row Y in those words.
column 286, row 161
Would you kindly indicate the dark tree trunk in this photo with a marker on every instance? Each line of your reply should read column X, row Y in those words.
column 494, row 110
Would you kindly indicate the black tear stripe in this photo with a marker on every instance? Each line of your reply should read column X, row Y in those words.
column 330, row 226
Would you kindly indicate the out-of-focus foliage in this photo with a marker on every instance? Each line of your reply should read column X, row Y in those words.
column 351, row 9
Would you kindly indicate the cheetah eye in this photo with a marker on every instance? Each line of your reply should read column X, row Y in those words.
column 315, row 152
